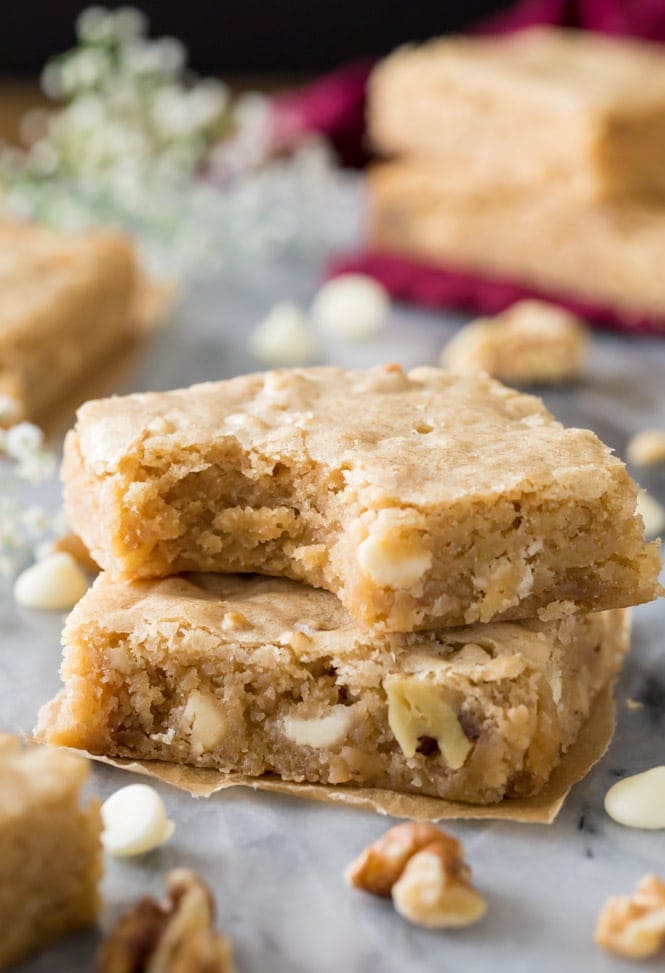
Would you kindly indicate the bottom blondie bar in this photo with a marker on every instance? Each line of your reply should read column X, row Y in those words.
column 50, row 849
column 263, row 675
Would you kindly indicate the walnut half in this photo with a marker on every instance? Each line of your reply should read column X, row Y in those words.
column 634, row 926
column 175, row 935
column 424, row 870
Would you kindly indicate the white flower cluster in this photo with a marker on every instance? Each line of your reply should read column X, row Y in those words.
column 24, row 527
column 140, row 145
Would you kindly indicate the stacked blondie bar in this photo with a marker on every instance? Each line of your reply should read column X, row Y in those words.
column 413, row 581
column 535, row 158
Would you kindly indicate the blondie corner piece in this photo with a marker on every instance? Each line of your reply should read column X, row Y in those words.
column 66, row 302
column 536, row 108
column 262, row 675
column 50, row 849
column 421, row 499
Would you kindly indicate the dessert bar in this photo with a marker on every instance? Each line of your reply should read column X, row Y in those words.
column 257, row 676
column 422, row 499
column 542, row 107
column 50, row 848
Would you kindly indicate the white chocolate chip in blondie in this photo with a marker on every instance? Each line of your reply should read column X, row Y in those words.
column 416, row 710
column 392, row 555
column 135, row 821
column 205, row 717
column 319, row 731
column 233, row 621
column 56, row 582
column 638, row 801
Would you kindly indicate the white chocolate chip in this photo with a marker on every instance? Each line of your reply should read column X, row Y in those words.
column 319, row 731
column 233, row 621
column 135, row 821
column 392, row 555
column 351, row 306
column 638, row 801
column 416, row 710
column 647, row 448
column 205, row 717
column 652, row 513
column 283, row 338
column 56, row 582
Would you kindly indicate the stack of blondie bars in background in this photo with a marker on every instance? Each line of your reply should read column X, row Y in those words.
column 534, row 158
column 439, row 572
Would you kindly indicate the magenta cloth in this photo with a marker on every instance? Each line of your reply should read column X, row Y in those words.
column 438, row 287
column 634, row 18
column 334, row 106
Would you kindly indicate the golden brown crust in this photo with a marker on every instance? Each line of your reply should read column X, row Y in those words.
column 50, row 848
column 539, row 108
column 65, row 303
column 422, row 499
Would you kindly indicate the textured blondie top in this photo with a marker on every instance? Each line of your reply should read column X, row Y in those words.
column 262, row 675
column 50, row 848
column 538, row 107
column 65, row 303
column 422, row 500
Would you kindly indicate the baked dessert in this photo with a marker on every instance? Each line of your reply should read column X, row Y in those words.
column 263, row 675
column 65, row 303
column 532, row 342
column 535, row 108
column 422, row 500
column 610, row 253
column 50, row 848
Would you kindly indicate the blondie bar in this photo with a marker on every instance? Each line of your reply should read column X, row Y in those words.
column 611, row 253
column 50, row 849
column 65, row 303
column 537, row 108
column 262, row 675
column 532, row 342
column 422, row 500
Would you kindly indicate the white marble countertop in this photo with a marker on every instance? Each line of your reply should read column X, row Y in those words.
column 274, row 863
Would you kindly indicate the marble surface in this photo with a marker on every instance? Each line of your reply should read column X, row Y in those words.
column 275, row 864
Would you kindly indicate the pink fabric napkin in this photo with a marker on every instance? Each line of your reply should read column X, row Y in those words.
column 420, row 283
column 635, row 18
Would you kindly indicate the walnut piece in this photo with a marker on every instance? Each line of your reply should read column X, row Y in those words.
column 416, row 711
column 634, row 926
column 424, row 870
column 175, row 935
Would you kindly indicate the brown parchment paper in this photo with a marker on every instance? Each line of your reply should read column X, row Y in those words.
column 590, row 746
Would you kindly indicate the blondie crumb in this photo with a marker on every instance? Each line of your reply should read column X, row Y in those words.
column 472, row 714
column 50, row 848
column 531, row 343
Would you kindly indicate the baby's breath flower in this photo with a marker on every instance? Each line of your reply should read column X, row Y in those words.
column 23, row 440
column 9, row 409
column 36, row 467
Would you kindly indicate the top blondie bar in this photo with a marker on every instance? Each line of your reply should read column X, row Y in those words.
column 538, row 106
column 422, row 499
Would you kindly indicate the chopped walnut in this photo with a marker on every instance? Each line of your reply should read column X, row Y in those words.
column 175, row 935
column 634, row 926
column 424, row 870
